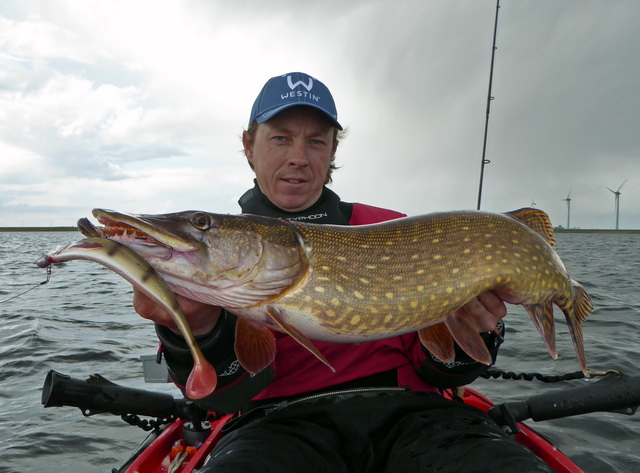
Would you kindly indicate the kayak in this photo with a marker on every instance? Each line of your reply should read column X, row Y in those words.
column 183, row 435
column 166, row 451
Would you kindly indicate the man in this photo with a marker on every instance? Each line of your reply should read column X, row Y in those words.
column 380, row 410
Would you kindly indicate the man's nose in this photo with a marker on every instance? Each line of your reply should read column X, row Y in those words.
column 298, row 154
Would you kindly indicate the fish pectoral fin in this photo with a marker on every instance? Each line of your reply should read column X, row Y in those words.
column 298, row 336
column 255, row 346
column 438, row 340
column 469, row 339
column 542, row 317
column 536, row 220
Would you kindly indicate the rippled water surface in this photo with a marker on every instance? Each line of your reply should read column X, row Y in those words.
column 81, row 322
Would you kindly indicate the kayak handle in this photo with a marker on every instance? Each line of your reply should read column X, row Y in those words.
column 619, row 394
column 98, row 395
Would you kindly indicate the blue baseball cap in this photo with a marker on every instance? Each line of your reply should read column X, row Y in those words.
column 291, row 90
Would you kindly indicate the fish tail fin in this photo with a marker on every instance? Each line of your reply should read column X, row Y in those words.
column 536, row 220
column 468, row 338
column 576, row 311
column 542, row 317
column 255, row 346
column 203, row 378
column 438, row 340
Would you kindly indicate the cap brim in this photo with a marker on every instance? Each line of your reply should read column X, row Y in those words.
column 269, row 114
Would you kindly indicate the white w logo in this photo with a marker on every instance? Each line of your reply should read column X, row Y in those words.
column 306, row 86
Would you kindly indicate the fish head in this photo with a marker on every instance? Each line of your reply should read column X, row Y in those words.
column 215, row 258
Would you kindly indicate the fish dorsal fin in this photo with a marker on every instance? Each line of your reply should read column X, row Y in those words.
column 536, row 220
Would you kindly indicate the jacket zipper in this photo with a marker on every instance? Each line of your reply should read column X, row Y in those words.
column 285, row 404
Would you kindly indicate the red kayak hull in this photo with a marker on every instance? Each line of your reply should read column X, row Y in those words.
column 156, row 457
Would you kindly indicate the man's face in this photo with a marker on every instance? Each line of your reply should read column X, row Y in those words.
column 291, row 155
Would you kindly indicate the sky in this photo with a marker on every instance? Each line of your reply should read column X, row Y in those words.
column 139, row 105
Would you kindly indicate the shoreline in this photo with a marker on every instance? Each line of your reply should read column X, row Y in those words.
column 593, row 230
column 75, row 229
column 38, row 229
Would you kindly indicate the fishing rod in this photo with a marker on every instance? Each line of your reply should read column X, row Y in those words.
column 485, row 161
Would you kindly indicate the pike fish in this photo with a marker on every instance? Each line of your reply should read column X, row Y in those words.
column 132, row 267
column 359, row 283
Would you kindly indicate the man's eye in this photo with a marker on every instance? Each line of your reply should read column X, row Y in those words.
column 317, row 142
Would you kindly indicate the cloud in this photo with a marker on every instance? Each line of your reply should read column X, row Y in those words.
column 34, row 41
column 140, row 105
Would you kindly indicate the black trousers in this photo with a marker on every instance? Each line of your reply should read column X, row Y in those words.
column 393, row 432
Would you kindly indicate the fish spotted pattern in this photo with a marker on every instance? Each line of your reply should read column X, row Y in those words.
column 358, row 283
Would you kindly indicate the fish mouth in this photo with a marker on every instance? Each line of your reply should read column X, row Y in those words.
column 143, row 232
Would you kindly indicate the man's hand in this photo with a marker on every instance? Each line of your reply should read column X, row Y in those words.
column 484, row 312
column 200, row 316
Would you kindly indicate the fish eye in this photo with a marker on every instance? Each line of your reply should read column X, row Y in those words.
column 201, row 221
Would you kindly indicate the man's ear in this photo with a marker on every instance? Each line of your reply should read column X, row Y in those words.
column 246, row 144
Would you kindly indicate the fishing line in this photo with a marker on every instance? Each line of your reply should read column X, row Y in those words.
column 32, row 288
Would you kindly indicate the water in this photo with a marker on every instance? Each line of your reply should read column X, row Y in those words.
column 82, row 322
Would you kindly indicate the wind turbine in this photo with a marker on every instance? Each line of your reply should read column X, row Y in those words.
column 568, row 201
column 617, row 194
